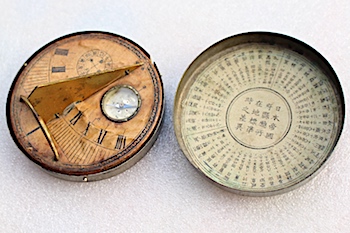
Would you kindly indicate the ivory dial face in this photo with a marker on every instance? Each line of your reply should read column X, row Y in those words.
column 90, row 142
column 258, row 117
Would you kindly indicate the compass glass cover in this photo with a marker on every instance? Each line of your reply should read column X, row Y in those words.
column 120, row 103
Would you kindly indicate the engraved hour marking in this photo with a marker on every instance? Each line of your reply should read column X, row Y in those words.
column 62, row 52
column 120, row 144
column 58, row 69
column 32, row 131
column 86, row 129
column 74, row 120
column 68, row 110
column 101, row 136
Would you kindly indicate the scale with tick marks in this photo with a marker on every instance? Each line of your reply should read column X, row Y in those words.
column 86, row 106
column 259, row 113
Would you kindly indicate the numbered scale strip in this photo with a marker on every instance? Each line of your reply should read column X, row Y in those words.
column 257, row 117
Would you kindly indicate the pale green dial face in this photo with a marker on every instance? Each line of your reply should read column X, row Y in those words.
column 120, row 103
column 259, row 118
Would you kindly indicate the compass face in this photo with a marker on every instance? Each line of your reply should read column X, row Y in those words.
column 92, row 143
column 259, row 113
column 120, row 103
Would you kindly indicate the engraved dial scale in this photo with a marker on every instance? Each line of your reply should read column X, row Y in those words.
column 258, row 113
column 86, row 106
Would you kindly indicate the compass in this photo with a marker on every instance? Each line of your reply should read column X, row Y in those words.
column 259, row 113
column 86, row 106
column 120, row 103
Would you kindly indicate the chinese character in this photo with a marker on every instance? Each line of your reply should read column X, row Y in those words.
column 259, row 132
column 269, row 135
column 259, row 103
column 263, row 124
column 245, row 109
column 272, row 126
column 269, row 106
column 242, row 118
column 265, row 115
column 253, row 121
column 249, row 100
column 278, row 108
column 239, row 126
column 275, row 118
column 250, row 129
column 256, row 112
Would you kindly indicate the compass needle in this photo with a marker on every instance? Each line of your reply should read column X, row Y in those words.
column 84, row 120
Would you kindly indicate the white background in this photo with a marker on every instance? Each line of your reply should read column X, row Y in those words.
column 163, row 193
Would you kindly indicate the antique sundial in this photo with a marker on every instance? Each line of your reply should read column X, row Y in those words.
column 86, row 106
column 259, row 113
